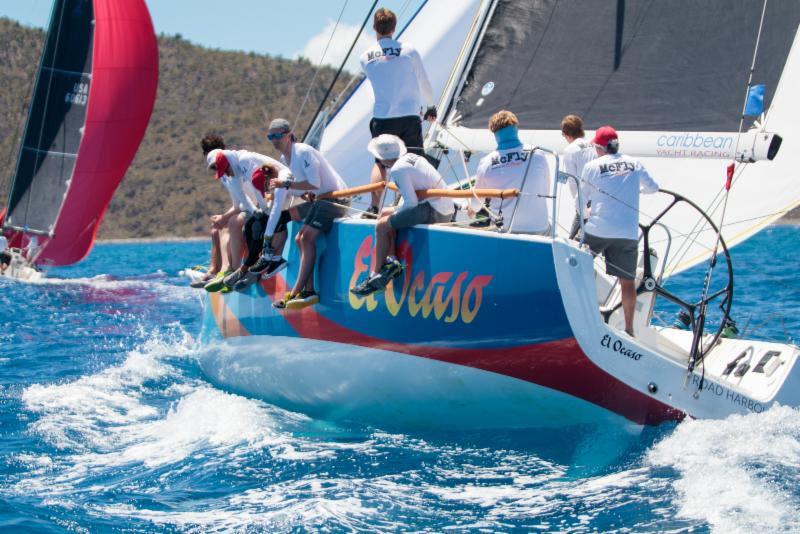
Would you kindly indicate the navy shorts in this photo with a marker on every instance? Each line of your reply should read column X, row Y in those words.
column 409, row 129
column 620, row 254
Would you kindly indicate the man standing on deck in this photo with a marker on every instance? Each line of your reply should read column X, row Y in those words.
column 401, row 89
column 613, row 182
column 578, row 153
column 313, row 177
column 507, row 168
column 411, row 173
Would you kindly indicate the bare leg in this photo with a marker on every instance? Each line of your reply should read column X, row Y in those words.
column 278, row 241
column 306, row 242
column 224, row 249
column 216, row 254
column 378, row 175
column 628, row 302
column 235, row 226
column 384, row 237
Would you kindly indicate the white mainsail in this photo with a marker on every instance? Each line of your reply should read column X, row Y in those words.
column 687, row 159
column 438, row 32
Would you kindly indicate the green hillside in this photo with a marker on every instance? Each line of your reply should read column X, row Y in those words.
column 166, row 191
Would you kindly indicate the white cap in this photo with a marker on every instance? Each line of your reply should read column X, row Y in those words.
column 211, row 157
column 386, row 146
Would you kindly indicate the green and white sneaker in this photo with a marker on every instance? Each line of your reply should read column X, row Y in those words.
column 217, row 283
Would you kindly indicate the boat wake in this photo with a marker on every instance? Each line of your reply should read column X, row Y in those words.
column 739, row 474
column 148, row 442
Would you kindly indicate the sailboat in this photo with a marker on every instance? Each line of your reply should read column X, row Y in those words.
column 496, row 329
column 92, row 99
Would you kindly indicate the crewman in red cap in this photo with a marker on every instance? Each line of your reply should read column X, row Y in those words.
column 612, row 184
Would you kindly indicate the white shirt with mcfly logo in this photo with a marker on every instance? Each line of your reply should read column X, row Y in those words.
column 505, row 169
column 398, row 79
column 612, row 183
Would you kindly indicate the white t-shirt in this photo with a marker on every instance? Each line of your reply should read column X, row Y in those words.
column 577, row 154
column 308, row 165
column 505, row 169
column 612, row 183
column 412, row 172
column 3, row 243
column 244, row 196
column 399, row 81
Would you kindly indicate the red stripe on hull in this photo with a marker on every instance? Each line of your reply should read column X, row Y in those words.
column 560, row 365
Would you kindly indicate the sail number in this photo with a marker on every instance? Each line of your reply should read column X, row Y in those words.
column 79, row 94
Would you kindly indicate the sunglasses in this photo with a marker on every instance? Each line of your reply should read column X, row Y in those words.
column 277, row 135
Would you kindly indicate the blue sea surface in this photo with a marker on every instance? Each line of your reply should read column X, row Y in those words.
column 108, row 424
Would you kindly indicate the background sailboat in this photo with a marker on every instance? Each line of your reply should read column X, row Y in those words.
column 92, row 100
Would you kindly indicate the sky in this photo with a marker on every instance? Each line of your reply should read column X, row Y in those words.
column 288, row 28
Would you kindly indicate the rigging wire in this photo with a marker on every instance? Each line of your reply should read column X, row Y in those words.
column 319, row 65
column 341, row 68
column 697, row 345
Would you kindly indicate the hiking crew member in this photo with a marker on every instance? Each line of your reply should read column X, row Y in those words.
column 219, row 236
column 234, row 168
column 578, row 153
column 313, row 177
column 401, row 89
column 5, row 256
column 505, row 168
column 410, row 172
column 613, row 182
column 262, row 260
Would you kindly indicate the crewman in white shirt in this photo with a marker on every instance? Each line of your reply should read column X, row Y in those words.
column 578, row 153
column 613, row 182
column 401, row 88
column 246, row 217
column 505, row 168
column 312, row 176
column 411, row 173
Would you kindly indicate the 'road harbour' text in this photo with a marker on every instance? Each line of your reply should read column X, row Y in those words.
column 447, row 296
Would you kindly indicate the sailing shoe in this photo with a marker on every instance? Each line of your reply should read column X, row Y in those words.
column 374, row 283
column 216, row 283
column 371, row 213
column 275, row 266
column 281, row 304
column 234, row 277
column 261, row 265
column 391, row 269
column 245, row 281
column 304, row 299
column 201, row 282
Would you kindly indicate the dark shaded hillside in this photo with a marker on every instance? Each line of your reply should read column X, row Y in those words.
column 166, row 191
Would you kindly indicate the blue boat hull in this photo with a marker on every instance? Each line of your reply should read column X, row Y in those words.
column 476, row 322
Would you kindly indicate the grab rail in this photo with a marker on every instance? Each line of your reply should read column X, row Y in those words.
column 422, row 194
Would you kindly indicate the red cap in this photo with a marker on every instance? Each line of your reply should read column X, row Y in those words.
column 604, row 135
column 259, row 179
column 221, row 163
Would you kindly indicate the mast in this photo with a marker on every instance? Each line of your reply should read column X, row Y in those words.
column 56, row 117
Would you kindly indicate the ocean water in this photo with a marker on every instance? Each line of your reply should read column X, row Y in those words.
column 107, row 424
